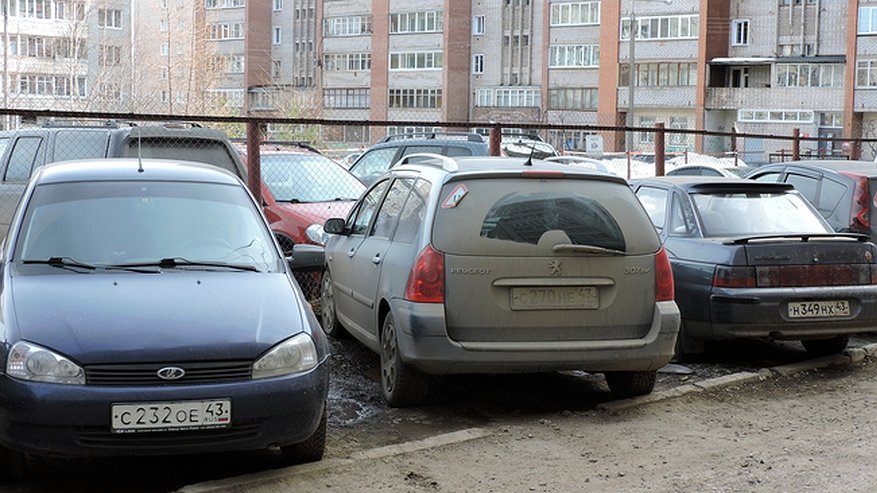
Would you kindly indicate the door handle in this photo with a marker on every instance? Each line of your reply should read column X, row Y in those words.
column 376, row 259
column 352, row 252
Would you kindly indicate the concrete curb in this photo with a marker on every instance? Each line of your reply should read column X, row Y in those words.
column 849, row 356
column 243, row 483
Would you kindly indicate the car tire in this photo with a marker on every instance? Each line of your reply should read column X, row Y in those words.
column 825, row 347
column 631, row 383
column 401, row 384
column 312, row 449
column 12, row 464
column 328, row 314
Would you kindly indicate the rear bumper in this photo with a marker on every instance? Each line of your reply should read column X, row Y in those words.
column 743, row 313
column 424, row 344
column 74, row 421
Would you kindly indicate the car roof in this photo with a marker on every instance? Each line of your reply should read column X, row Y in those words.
column 128, row 169
column 712, row 183
column 867, row 168
column 479, row 165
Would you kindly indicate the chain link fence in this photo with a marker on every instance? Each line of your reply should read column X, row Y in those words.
column 298, row 167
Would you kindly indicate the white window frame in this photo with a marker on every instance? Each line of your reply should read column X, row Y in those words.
column 575, row 14
column 652, row 28
column 867, row 70
column 740, row 32
column 278, row 5
column 573, row 56
column 478, row 64
column 478, row 25
column 775, row 116
column 416, row 60
column 867, row 20
column 277, row 36
column 431, row 21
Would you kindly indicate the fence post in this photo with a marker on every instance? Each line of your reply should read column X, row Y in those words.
column 856, row 150
column 659, row 149
column 254, row 172
column 796, row 144
column 495, row 140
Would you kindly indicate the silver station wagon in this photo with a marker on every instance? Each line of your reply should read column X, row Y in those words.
column 500, row 265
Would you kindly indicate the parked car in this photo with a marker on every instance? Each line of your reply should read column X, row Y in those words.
column 579, row 162
column 844, row 192
column 148, row 310
column 526, row 145
column 24, row 151
column 756, row 260
column 709, row 170
column 377, row 159
column 301, row 188
column 500, row 265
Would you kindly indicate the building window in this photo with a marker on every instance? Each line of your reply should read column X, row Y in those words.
column 867, row 20
column 224, row 4
column 866, row 73
column 164, row 97
column 678, row 122
column 478, row 25
column 347, row 98
column 276, row 68
column 164, row 73
column 110, row 56
column 508, row 98
column 572, row 98
column 809, row 75
column 575, row 14
column 416, row 60
column 347, row 62
column 573, row 56
column 659, row 74
column 165, row 49
column 775, row 116
column 417, row 22
column 162, row 25
column 276, row 38
column 109, row 18
column 666, row 27
column 478, row 64
column 278, row 5
column 740, row 32
column 358, row 25
column 232, row 30
column 646, row 137
column 415, row 98
column 228, row 98
column 35, row 9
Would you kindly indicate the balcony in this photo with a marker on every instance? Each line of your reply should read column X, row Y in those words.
column 659, row 97
column 806, row 98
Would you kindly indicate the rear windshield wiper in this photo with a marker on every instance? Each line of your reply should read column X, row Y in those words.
column 569, row 247
column 293, row 201
column 62, row 262
column 176, row 262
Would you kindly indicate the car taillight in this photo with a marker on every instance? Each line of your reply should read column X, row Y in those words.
column 814, row 275
column 873, row 273
column 734, row 277
column 664, row 289
column 426, row 282
column 860, row 221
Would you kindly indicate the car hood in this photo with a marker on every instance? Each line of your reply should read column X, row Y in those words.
column 317, row 212
column 172, row 316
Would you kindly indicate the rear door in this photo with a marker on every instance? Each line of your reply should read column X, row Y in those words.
column 530, row 259
column 26, row 152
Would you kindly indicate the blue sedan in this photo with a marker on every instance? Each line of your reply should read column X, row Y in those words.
column 146, row 309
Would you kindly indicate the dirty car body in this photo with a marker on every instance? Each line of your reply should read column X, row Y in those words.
column 147, row 310
column 757, row 260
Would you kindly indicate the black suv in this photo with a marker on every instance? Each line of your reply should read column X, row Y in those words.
column 377, row 159
column 23, row 151
column 842, row 191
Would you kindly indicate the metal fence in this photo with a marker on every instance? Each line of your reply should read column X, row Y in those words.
column 298, row 167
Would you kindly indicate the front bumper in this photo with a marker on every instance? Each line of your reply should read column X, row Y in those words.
column 74, row 421
column 424, row 344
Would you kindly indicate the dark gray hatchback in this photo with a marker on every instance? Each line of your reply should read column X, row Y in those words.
column 756, row 260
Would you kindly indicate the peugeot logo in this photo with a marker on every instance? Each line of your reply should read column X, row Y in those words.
column 171, row 373
column 555, row 268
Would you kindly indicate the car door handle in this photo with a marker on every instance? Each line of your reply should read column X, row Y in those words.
column 376, row 259
column 352, row 252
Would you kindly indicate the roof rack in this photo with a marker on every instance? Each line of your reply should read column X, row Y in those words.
column 80, row 123
column 470, row 136
column 438, row 161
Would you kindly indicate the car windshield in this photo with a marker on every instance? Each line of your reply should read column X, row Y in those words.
column 115, row 223
column 741, row 213
column 308, row 178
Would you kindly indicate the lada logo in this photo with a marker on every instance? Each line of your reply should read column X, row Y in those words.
column 171, row 373
column 555, row 268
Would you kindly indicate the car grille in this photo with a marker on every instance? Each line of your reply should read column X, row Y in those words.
column 147, row 374
column 101, row 437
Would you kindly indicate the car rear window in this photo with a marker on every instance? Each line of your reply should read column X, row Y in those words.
column 197, row 150
column 519, row 216
column 80, row 144
column 745, row 214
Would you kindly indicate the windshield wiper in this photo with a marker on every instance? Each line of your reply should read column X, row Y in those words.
column 62, row 262
column 293, row 201
column 569, row 247
column 176, row 262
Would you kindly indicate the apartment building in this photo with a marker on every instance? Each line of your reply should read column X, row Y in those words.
column 65, row 54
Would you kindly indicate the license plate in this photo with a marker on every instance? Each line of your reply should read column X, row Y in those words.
column 819, row 309
column 171, row 416
column 553, row 298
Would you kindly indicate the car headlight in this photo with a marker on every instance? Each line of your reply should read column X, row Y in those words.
column 28, row 361
column 294, row 355
column 315, row 233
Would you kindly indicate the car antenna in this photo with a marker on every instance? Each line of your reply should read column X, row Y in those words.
column 139, row 154
column 529, row 161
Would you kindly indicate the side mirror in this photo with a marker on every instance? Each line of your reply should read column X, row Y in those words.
column 335, row 226
column 307, row 258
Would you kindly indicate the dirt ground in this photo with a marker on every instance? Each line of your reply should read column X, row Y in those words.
column 815, row 431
